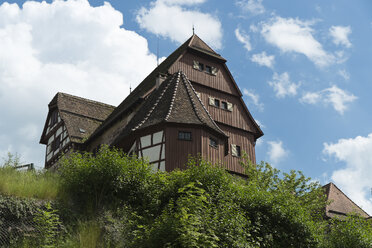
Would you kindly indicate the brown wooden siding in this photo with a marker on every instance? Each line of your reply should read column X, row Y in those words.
column 221, row 81
column 177, row 151
column 245, row 141
column 237, row 118
column 212, row 154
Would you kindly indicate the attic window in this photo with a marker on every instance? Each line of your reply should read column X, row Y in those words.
column 198, row 66
column 208, row 69
column 224, row 105
column 82, row 130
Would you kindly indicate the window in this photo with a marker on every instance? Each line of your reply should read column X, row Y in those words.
column 54, row 118
column 198, row 66
column 217, row 103
column 213, row 142
column 208, row 69
column 224, row 105
column 56, row 143
column 184, row 135
column 235, row 150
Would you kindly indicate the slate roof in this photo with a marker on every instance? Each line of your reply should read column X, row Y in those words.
column 148, row 84
column 340, row 204
column 175, row 101
column 78, row 114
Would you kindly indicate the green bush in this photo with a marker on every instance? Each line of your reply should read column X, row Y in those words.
column 105, row 180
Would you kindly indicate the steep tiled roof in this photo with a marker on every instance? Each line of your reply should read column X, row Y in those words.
column 175, row 101
column 81, row 116
column 148, row 84
column 340, row 204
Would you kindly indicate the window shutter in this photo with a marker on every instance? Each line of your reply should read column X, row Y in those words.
column 234, row 152
column 198, row 94
column 196, row 65
column 211, row 101
column 214, row 70
column 229, row 106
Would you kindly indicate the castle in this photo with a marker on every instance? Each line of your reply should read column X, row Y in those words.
column 190, row 104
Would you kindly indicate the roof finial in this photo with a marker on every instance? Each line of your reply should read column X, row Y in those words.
column 193, row 29
column 130, row 88
column 157, row 52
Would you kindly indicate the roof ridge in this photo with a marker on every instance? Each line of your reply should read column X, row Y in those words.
column 174, row 95
column 192, row 100
column 85, row 99
column 205, row 109
column 155, row 105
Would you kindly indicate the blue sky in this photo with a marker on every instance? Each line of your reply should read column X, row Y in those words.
column 304, row 68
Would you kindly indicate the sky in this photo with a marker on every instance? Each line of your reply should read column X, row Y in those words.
column 304, row 68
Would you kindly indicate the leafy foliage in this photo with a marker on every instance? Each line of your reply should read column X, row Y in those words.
column 351, row 232
column 117, row 201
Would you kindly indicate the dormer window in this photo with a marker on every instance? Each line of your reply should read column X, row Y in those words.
column 216, row 103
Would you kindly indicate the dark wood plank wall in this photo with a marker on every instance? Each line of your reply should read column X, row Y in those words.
column 236, row 118
column 212, row 154
column 221, row 81
column 245, row 141
column 177, row 151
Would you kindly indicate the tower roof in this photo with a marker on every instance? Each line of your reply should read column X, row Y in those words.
column 175, row 101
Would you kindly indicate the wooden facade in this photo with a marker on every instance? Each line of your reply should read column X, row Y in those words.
column 195, row 109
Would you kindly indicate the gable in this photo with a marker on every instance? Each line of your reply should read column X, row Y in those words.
column 340, row 204
column 220, row 85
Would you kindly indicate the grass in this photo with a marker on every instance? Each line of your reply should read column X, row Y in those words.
column 28, row 184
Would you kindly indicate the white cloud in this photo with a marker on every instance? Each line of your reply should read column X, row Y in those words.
column 355, row 178
column 344, row 74
column 253, row 98
column 243, row 38
column 283, row 86
column 340, row 35
column 255, row 7
column 335, row 96
column 172, row 20
column 294, row 35
column 263, row 59
column 276, row 151
column 311, row 97
column 66, row 46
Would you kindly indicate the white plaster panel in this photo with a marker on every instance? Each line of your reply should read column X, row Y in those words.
column 59, row 131
column 49, row 156
column 50, row 140
column 162, row 166
column 157, row 138
column 152, row 153
column 163, row 152
column 146, row 140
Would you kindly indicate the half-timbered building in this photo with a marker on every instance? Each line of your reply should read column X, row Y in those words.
column 189, row 105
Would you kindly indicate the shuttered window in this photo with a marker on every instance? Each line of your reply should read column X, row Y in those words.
column 235, row 150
